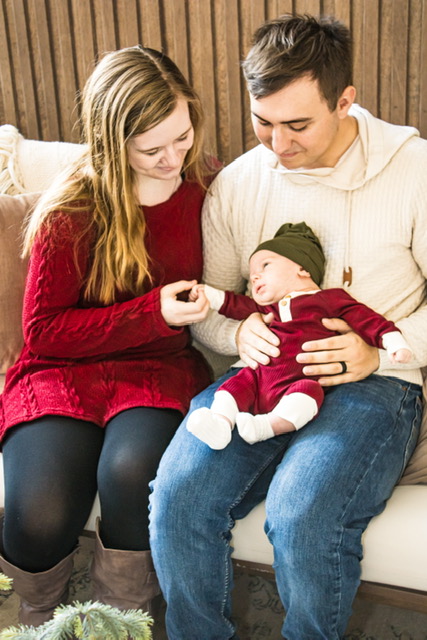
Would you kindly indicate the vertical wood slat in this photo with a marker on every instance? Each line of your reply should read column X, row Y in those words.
column 365, row 22
column 128, row 23
column 150, row 26
column 201, row 58
column 25, row 90
column 279, row 8
column 251, row 18
column 340, row 9
column 64, row 69
column 393, row 53
column 175, row 36
column 7, row 75
column 105, row 25
column 228, row 85
column 417, row 66
column 84, row 39
column 41, row 52
column 48, row 48
column 312, row 7
column 422, row 102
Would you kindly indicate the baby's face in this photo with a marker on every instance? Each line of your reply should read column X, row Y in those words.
column 272, row 276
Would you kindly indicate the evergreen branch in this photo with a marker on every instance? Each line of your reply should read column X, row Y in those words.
column 5, row 582
column 86, row 621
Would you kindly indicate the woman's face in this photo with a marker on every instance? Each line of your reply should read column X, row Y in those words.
column 159, row 153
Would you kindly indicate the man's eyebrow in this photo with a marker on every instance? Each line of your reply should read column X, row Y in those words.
column 295, row 121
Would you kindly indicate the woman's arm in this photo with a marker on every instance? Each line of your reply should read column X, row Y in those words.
column 56, row 323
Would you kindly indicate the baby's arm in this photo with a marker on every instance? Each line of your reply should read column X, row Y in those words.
column 398, row 350
column 215, row 296
column 229, row 304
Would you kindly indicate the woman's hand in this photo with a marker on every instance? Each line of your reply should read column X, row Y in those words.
column 343, row 358
column 177, row 313
column 255, row 342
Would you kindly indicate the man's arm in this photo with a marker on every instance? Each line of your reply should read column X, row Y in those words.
column 221, row 268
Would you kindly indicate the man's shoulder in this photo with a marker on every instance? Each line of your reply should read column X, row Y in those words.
column 411, row 158
column 251, row 161
column 417, row 145
column 386, row 137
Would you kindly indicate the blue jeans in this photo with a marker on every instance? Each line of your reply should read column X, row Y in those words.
column 322, row 486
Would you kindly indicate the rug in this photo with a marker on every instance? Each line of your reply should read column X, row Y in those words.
column 257, row 609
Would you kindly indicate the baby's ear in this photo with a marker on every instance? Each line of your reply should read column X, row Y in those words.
column 303, row 273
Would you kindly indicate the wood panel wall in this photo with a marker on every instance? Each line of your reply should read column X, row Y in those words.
column 48, row 48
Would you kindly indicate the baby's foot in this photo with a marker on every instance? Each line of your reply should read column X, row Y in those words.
column 210, row 428
column 254, row 428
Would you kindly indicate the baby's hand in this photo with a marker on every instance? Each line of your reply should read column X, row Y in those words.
column 195, row 292
column 401, row 355
column 178, row 313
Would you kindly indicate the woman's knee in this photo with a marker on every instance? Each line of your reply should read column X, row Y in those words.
column 179, row 491
column 37, row 539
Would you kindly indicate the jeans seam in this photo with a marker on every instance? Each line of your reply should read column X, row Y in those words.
column 227, row 544
column 406, row 391
column 254, row 478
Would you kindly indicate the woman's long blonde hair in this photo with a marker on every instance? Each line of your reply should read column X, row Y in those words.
column 130, row 91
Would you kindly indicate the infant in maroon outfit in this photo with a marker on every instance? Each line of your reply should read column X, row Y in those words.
column 285, row 274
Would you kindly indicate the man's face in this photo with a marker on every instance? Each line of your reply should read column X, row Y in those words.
column 297, row 124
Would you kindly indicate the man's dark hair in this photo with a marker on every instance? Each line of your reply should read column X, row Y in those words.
column 290, row 47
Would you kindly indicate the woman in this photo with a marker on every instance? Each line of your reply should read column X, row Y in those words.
column 107, row 370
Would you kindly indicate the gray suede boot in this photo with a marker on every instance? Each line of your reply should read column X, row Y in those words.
column 123, row 579
column 40, row 593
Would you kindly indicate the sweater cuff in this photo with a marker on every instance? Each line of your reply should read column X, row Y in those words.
column 154, row 306
column 216, row 297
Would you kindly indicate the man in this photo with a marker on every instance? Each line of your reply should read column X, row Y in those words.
column 359, row 183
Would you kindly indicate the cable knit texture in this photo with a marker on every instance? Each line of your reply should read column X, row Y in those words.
column 90, row 361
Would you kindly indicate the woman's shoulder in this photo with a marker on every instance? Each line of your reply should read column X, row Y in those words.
column 67, row 221
column 213, row 167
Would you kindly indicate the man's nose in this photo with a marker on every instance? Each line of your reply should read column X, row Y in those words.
column 281, row 140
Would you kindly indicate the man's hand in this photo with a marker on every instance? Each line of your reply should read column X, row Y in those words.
column 255, row 342
column 326, row 357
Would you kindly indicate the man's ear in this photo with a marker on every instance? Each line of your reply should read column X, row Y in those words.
column 345, row 101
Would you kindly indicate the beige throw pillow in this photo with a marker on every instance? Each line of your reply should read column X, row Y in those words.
column 13, row 210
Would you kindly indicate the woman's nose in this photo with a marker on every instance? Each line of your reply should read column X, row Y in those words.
column 171, row 156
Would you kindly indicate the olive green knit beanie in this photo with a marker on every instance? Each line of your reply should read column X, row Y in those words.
column 298, row 243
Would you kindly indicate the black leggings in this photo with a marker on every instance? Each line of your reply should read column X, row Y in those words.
column 53, row 468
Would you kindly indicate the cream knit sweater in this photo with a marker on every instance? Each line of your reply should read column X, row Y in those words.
column 369, row 212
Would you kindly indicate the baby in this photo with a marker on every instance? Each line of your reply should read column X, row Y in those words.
column 285, row 274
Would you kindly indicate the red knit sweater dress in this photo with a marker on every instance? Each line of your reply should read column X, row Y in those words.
column 90, row 361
